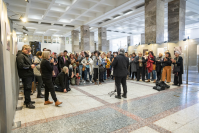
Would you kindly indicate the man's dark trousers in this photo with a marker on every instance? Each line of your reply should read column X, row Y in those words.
column 27, row 83
column 118, row 81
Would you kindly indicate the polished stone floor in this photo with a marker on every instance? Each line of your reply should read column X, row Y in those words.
column 89, row 109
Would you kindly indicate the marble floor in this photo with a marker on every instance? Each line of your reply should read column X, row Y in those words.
column 90, row 109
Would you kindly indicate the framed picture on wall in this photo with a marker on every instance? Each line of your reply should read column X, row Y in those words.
column 7, row 36
column 144, row 51
column 179, row 49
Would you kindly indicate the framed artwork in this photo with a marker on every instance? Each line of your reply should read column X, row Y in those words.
column 144, row 50
column 179, row 49
column 7, row 36
column 160, row 50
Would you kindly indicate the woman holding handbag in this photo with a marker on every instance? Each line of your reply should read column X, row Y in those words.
column 178, row 68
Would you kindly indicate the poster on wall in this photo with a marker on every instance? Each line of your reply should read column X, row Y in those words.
column 7, row 36
column 160, row 50
column 144, row 51
column 179, row 49
column 13, row 46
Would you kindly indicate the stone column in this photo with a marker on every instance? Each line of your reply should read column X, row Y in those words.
column 129, row 41
column 102, row 38
column 154, row 21
column 85, row 38
column 107, row 46
column 176, row 20
column 92, row 46
column 75, row 41
column 62, row 44
column 142, row 38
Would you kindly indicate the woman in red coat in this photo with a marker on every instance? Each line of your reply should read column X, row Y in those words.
column 149, row 66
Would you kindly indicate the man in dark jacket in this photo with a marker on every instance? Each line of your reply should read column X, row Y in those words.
column 65, row 61
column 140, row 65
column 25, row 72
column 120, row 65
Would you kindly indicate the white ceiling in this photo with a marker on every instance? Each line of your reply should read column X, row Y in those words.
column 59, row 17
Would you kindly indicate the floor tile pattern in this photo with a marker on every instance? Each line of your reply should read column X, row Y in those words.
column 88, row 108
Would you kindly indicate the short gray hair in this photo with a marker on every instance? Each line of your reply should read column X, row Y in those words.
column 121, row 51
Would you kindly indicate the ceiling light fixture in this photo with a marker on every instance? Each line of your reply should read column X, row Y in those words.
column 23, row 19
column 27, row 1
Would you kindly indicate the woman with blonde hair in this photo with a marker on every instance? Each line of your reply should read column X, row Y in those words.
column 46, row 72
column 62, row 80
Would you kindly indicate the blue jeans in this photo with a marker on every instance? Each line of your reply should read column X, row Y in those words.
column 104, row 75
column 154, row 74
column 80, row 70
column 85, row 74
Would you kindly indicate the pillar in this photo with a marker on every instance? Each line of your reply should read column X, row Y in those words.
column 62, row 43
column 129, row 41
column 154, row 21
column 176, row 20
column 92, row 46
column 102, row 39
column 142, row 38
column 85, row 36
column 107, row 46
column 75, row 41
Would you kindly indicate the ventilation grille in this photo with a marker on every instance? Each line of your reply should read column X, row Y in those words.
column 58, row 24
column 139, row 6
column 127, row 11
column 69, row 26
column 34, row 22
column 45, row 23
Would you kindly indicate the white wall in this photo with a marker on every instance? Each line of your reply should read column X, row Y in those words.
column 68, row 47
column 193, row 33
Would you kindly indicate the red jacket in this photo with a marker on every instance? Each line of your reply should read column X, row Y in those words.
column 150, row 64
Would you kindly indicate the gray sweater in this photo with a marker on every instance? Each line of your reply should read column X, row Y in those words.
column 36, row 70
column 95, row 62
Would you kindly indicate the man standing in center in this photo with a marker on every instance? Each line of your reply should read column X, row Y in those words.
column 120, row 65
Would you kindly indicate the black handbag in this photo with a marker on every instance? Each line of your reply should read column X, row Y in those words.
column 177, row 69
column 101, row 69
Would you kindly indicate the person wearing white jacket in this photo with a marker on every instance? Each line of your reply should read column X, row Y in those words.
column 87, row 62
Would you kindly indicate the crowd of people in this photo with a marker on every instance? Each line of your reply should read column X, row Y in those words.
column 58, row 72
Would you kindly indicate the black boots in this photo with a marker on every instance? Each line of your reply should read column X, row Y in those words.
column 30, row 106
column 119, row 97
column 124, row 96
column 40, row 96
column 32, row 102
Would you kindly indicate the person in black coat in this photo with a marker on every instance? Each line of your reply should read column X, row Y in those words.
column 159, row 66
column 62, row 80
column 178, row 61
column 140, row 65
column 25, row 72
column 120, row 65
column 46, row 68
column 64, row 61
